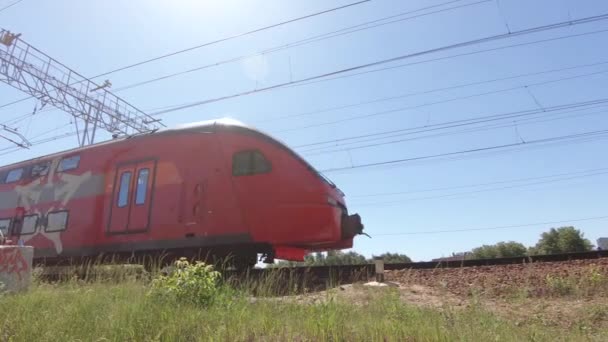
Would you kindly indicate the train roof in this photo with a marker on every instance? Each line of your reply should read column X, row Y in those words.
column 215, row 125
column 221, row 124
column 208, row 124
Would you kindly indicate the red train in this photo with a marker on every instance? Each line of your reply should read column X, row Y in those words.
column 217, row 187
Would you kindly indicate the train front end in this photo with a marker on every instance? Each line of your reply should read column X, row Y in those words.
column 289, row 207
column 328, row 223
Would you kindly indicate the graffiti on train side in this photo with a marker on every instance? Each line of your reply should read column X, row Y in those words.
column 47, row 194
column 12, row 262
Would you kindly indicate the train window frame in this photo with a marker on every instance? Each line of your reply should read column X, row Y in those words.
column 65, row 222
column 25, row 218
column 251, row 168
column 137, row 198
column 47, row 169
column 6, row 231
column 126, row 187
column 62, row 168
column 6, row 177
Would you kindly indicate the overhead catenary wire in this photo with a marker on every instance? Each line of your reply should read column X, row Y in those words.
column 537, row 29
column 313, row 39
column 539, row 41
column 469, row 151
column 463, row 122
column 449, row 133
column 449, row 124
column 459, row 123
column 458, row 98
column 472, row 192
column 10, row 5
column 456, row 187
column 206, row 44
column 231, row 37
column 431, row 91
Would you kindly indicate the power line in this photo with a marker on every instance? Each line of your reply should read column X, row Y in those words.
column 477, row 129
column 449, row 124
column 9, row 150
column 313, row 39
column 231, row 37
column 430, row 91
column 389, row 111
column 493, row 228
column 456, row 123
column 480, row 149
column 537, row 29
column 10, row 5
column 206, row 44
column 449, row 57
column 459, row 194
column 477, row 185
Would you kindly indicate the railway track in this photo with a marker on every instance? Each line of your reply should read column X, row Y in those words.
column 363, row 272
column 285, row 279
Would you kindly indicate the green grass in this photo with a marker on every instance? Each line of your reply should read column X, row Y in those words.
column 106, row 311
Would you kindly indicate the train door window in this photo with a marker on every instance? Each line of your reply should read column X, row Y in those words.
column 123, row 191
column 68, row 163
column 14, row 175
column 142, row 186
column 41, row 169
column 4, row 226
column 249, row 163
column 29, row 224
column 57, row 221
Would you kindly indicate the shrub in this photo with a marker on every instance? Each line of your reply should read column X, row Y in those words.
column 191, row 283
column 559, row 285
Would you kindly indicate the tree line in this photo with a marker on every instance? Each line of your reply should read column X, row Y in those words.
column 556, row 240
column 343, row 258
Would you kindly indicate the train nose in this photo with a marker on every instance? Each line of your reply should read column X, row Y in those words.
column 351, row 226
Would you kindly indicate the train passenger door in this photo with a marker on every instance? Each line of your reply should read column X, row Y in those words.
column 132, row 197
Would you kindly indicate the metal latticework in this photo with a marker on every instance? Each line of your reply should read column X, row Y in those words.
column 92, row 106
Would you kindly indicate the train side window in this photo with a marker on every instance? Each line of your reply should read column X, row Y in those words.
column 68, row 163
column 142, row 186
column 29, row 224
column 123, row 191
column 57, row 221
column 41, row 169
column 4, row 226
column 249, row 163
column 260, row 163
column 13, row 175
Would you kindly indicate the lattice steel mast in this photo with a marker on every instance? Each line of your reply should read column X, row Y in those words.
column 28, row 69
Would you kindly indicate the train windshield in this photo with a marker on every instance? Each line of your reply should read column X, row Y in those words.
column 289, row 150
column 327, row 180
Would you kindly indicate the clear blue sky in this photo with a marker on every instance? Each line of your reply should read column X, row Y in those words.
column 97, row 36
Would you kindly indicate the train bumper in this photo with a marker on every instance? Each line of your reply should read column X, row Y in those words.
column 351, row 226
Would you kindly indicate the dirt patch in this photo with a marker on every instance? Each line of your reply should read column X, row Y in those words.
column 360, row 294
column 568, row 295
column 578, row 277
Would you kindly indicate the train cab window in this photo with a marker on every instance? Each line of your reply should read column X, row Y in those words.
column 68, row 163
column 13, row 175
column 249, row 163
column 29, row 224
column 123, row 191
column 4, row 226
column 56, row 221
column 41, row 169
column 142, row 186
